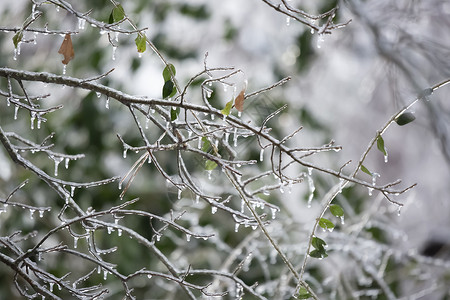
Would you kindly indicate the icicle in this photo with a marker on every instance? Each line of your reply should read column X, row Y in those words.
column 209, row 174
column 370, row 191
column 199, row 145
column 147, row 121
column 50, row 286
column 39, row 120
column 105, row 274
column 64, row 69
column 116, row 36
column 119, row 232
column 81, row 23
column 236, row 227
column 179, row 194
column 107, row 103
column 235, row 137
column 33, row 117
column 31, row 213
column 399, row 208
column 386, row 157
column 320, row 40
column 16, row 109
column 75, row 242
column 149, row 276
column 188, row 237
column 212, row 117
column 98, row 94
column 158, row 237
column 57, row 160
column 239, row 114
column 66, row 162
column 342, row 220
column 149, row 159
column 197, row 199
column 72, row 190
column 312, row 188
column 242, row 206
column 125, row 153
column 288, row 21
column 114, row 53
column 41, row 214
column 261, row 155
column 140, row 54
column 213, row 209
column 274, row 211
column 67, row 196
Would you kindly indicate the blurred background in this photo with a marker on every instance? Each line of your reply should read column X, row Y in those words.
column 345, row 86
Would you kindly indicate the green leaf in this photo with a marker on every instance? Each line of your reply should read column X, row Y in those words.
column 380, row 145
column 206, row 144
column 365, row 170
column 336, row 210
column 405, row 118
column 326, row 224
column 174, row 112
column 117, row 14
column 17, row 38
column 210, row 165
column 318, row 253
column 167, row 75
column 141, row 43
column 169, row 89
column 303, row 294
column 226, row 111
column 318, row 243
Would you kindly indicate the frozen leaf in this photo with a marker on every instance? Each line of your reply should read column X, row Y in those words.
column 66, row 49
column 405, row 118
column 17, row 38
column 117, row 14
column 303, row 294
column 365, row 170
column 227, row 109
column 168, row 71
column 168, row 89
column 239, row 101
column 336, row 210
column 206, row 144
column 326, row 224
column 141, row 43
column 318, row 243
column 318, row 253
column 210, row 165
column 380, row 145
column 174, row 112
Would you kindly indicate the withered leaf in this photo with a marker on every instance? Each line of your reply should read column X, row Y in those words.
column 239, row 101
column 66, row 49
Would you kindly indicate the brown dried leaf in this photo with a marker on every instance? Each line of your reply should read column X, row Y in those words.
column 239, row 101
column 66, row 49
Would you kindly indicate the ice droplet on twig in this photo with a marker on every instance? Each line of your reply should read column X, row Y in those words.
column 342, row 220
column 213, row 209
column 64, row 69
column 197, row 199
column 107, row 103
column 31, row 213
column 386, row 157
column 125, row 153
column 66, row 162
column 236, row 227
column 261, row 155
column 72, row 190
column 188, row 237
column 75, row 242
column 16, row 109
column 399, row 208
column 288, row 21
column 179, row 194
column 41, row 213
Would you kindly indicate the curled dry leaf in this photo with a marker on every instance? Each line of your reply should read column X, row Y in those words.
column 66, row 49
column 239, row 101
